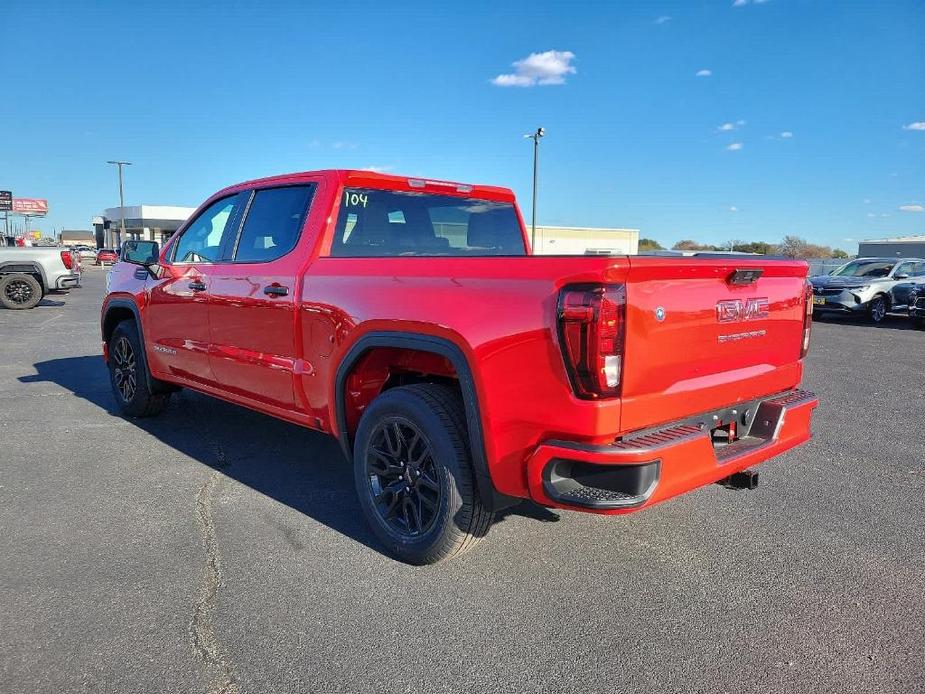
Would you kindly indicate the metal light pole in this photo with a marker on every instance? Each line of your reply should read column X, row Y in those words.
column 536, row 153
column 120, row 164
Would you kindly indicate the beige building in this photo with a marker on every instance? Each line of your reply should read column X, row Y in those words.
column 585, row 240
column 77, row 237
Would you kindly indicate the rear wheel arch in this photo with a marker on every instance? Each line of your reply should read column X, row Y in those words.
column 464, row 381
column 26, row 268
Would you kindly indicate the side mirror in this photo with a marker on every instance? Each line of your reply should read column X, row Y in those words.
column 901, row 276
column 140, row 252
column 144, row 253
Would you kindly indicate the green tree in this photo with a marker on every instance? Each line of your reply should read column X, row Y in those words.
column 839, row 253
column 760, row 247
column 688, row 245
column 796, row 247
column 649, row 245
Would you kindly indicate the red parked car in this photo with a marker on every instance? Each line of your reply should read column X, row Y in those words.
column 408, row 318
column 106, row 255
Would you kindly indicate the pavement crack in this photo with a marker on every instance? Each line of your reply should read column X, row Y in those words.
column 205, row 644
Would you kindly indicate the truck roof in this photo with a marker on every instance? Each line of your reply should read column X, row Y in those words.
column 373, row 179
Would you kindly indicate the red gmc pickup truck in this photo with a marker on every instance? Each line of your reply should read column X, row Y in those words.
column 460, row 373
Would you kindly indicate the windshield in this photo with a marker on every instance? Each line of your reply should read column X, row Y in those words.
column 864, row 268
column 378, row 223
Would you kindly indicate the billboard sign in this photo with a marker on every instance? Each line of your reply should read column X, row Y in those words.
column 32, row 206
column 6, row 201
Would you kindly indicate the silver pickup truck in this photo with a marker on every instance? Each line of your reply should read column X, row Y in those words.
column 28, row 274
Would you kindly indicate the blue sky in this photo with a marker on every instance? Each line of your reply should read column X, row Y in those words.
column 204, row 97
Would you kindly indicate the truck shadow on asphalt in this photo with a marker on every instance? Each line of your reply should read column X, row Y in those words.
column 300, row 468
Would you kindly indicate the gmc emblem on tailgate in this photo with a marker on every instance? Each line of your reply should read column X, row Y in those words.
column 740, row 310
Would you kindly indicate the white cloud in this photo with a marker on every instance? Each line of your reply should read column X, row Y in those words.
column 733, row 209
column 343, row 145
column 917, row 125
column 549, row 67
column 735, row 146
column 730, row 126
column 912, row 208
column 867, row 201
column 786, row 135
column 740, row 3
column 740, row 122
column 704, row 73
column 664, row 19
column 871, row 215
column 378, row 169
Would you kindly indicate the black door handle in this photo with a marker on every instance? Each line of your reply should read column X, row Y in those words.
column 275, row 290
column 197, row 286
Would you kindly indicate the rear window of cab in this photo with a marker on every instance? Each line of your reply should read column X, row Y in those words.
column 382, row 223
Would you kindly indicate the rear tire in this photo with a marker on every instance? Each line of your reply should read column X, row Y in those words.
column 876, row 310
column 128, row 374
column 20, row 291
column 413, row 473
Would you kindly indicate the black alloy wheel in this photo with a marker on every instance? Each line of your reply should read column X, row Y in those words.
column 125, row 369
column 18, row 291
column 402, row 477
column 414, row 474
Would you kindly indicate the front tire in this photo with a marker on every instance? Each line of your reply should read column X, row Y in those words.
column 20, row 291
column 413, row 473
column 128, row 374
column 876, row 311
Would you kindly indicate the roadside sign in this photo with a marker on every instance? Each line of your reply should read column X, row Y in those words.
column 31, row 206
column 6, row 201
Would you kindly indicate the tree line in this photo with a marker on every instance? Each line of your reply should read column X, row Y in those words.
column 790, row 246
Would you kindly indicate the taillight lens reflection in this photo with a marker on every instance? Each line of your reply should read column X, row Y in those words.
column 67, row 260
column 592, row 330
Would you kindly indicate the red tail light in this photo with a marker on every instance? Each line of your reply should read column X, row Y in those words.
column 807, row 318
column 67, row 260
column 592, row 331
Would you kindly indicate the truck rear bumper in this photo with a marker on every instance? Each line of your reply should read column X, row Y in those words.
column 644, row 469
column 68, row 281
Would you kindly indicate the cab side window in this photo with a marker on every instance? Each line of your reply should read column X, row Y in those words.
column 273, row 223
column 202, row 240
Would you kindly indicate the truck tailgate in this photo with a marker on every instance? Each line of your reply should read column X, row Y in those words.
column 697, row 341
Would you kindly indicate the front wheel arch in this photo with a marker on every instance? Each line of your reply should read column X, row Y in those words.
column 873, row 311
column 119, row 311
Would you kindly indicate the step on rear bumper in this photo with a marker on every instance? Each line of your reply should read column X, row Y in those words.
column 645, row 468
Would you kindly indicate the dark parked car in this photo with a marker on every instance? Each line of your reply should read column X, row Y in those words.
column 905, row 294
column 915, row 299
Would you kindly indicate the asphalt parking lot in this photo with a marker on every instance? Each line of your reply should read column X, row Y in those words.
column 218, row 550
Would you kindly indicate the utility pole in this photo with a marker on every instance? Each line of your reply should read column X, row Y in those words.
column 120, row 164
column 536, row 154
